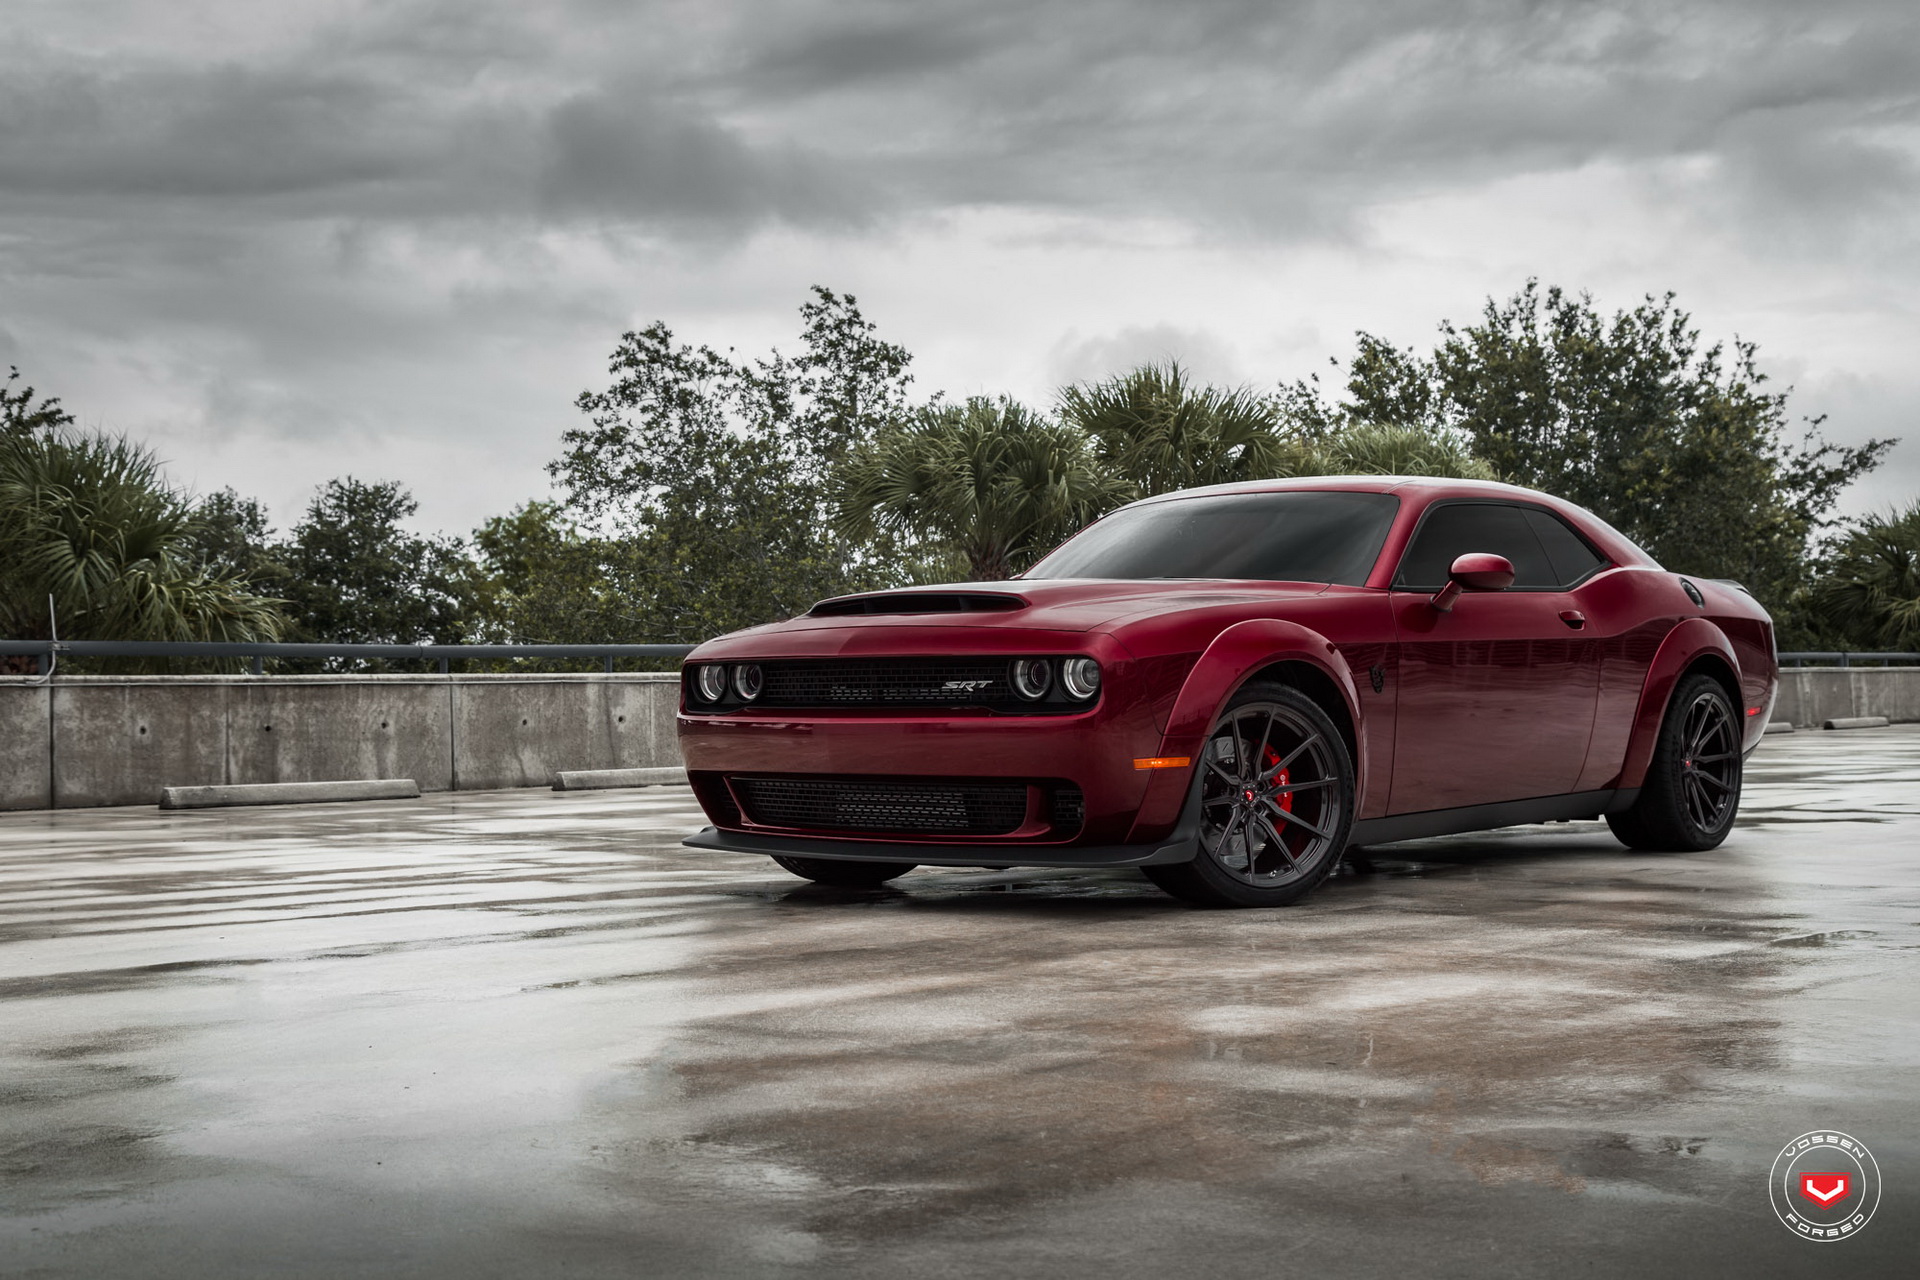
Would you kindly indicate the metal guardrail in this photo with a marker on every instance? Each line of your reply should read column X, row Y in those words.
column 1837, row 659
column 444, row 654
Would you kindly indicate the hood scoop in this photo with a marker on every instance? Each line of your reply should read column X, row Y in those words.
column 919, row 602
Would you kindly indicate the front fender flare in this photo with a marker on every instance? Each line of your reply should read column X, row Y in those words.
column 1235, row 654
column 1684, row 645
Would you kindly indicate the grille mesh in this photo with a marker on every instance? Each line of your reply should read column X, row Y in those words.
column 930, row 807
column 894, row 682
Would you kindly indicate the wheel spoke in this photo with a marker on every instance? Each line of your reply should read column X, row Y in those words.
column 1700, row 803
column 1226, row 833
column 1278, row 845
column 1315, row 784
column 1712, row 781
column 1290, row 757
column 1260, row 752
column 1714, row 759
column 1295, row 819
column 1216, row 767
column 1249, row 768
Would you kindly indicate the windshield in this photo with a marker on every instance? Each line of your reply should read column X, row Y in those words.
column 1299, row 536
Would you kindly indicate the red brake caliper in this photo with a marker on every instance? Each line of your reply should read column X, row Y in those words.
column 1286, row 800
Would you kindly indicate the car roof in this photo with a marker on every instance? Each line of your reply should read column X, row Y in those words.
column 1425, row 489
column 1425, row 485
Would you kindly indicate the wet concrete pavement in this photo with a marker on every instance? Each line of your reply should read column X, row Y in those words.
column 525, row 1033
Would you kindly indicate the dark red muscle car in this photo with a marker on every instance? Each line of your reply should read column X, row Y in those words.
column 1227, row 687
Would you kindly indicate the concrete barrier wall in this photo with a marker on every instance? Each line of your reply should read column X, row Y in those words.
column 101, row 740
column 1811, row 695
column 104, row 740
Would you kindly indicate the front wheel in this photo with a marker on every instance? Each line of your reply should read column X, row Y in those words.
column 1276, row 803
column 1692, row 791
column 844, row 875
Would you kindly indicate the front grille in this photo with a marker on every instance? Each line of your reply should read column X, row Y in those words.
column 885, row 806
column 890, row 682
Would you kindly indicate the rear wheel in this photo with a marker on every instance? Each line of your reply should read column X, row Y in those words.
column 1692, row 791
column 1276, row 803
column 844, row 875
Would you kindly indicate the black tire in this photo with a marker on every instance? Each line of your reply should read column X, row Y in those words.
column 845, row 875
column 1692, row 792
column 1276, row 803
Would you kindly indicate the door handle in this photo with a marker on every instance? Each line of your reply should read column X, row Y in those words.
column 1573, row 618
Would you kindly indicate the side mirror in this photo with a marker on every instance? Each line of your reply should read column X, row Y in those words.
column 1475, row 571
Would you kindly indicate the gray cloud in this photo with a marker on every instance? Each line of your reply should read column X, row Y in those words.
column 425, row 221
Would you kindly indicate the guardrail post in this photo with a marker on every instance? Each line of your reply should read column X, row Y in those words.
column 443, row 666
column 606, row 664
column 1843, row 659
column 259, row 665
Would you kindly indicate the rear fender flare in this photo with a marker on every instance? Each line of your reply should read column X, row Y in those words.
column 1684, row 645
column 1235, row 654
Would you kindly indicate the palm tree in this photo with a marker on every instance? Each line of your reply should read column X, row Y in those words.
column 1158, row 432
column 1871, row 592
column 1377, row 449
column 990, row 479
column 88, row 521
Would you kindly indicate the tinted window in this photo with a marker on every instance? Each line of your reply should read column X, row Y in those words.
column 1572, row 559
column 1281, row 537
column 1453, row 530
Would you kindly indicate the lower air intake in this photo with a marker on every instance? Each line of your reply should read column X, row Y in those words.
column 885, row 807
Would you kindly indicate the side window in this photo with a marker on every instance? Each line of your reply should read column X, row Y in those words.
column 1457, row 528
column 1567, row 551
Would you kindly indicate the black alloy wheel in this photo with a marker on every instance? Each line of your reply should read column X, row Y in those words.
column 844, row 875
column 1276, row 803
column 1692, row 790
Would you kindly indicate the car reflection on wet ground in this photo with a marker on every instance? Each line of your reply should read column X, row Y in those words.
column 527, row 1033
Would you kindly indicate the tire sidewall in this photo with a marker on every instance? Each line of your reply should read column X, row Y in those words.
column 1668, row 765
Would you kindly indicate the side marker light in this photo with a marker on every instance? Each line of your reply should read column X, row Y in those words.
column 1753, row 711
column 1163, row 762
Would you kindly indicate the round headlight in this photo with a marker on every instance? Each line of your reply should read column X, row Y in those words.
column 711, row 681
column 1032, row 677
column 1080, row 677
column 748, row 681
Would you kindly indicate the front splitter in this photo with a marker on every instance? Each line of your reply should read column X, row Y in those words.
column 1176, row 848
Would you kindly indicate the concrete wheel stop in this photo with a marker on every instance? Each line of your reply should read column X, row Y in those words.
column 605, row 779
column 288, row 793
column 1857, row 722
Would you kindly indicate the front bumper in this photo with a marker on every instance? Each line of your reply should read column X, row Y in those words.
column 1181, row 846
column 1125, row 809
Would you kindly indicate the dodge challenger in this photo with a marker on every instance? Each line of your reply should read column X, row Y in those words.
column 1228, row 687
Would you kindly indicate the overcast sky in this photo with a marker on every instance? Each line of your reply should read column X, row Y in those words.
column 290, row 241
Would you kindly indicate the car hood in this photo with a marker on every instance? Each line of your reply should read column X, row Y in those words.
column 1052, row 604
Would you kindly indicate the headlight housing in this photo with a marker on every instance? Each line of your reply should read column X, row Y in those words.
column 1080, row 677
column 710, row 681
column 748, row 681
column 1032, row 677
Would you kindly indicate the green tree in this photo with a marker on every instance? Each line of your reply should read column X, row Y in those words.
column 1157, row 432
column 232, row 534
column 89, row 521
column 1677, row 443
column 544, row 582
column 993, row 481
column 19, row 412
column 1377, row 449
column 1869, row 596
column 704, row 479
column 357, row 576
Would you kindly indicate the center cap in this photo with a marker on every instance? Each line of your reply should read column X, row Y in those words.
column 1249, row 795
